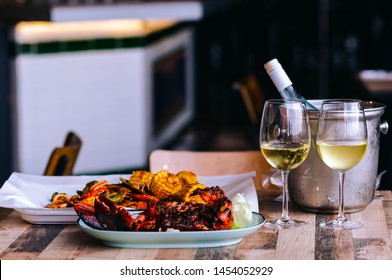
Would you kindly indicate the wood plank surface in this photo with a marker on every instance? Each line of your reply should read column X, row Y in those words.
column 21, row 240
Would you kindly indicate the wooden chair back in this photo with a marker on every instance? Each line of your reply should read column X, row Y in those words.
column 252, row 97
column 210, row 163
column 62, row 160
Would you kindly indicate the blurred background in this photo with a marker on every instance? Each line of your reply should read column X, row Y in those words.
column 131, row 76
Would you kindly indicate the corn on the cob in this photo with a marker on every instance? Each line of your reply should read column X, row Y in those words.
column 141, row 178
column 165, row 184
column 187, row 177
column 185, row 193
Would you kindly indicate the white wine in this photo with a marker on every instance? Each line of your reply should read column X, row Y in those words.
column 341, row 155
column 285, row 156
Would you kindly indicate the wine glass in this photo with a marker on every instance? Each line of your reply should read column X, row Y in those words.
column 341, row 143
column 285, row 143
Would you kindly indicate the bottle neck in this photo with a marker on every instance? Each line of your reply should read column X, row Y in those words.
column 280, row 79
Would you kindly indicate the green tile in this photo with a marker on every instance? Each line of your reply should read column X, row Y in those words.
column 47, row 47
column 94, row 44
column 24, row 48
column 105, row 43
column 76, row 46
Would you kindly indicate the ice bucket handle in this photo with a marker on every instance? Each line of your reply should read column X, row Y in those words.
column 384, row 127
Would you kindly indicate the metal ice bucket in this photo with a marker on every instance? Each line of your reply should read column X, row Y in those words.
column 313, row 186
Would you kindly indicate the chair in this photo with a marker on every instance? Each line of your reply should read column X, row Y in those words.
column 62, row 159
column 206, row 163
column 253, row 100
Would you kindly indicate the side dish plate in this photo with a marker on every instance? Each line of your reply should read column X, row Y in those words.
column 173, row 239
column 48, row 216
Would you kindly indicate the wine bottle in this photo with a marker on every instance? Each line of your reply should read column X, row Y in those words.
column 283, row 83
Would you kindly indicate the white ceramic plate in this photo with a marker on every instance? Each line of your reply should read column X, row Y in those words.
column 173, row 239
column 49, row 216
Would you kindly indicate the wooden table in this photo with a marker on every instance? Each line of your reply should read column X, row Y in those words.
column 21, row 240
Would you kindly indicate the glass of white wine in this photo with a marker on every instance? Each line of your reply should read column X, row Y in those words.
column 285, row 143
column 341, row 143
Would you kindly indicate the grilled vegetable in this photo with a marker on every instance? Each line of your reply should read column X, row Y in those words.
column 187, row 177
column 141, row 178
column 165, row 184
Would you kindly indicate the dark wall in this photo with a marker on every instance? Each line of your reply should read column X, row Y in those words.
column 5, row 106
column 320, row 43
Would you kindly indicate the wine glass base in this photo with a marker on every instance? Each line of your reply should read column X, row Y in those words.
column 285, row 223
column 336, row 224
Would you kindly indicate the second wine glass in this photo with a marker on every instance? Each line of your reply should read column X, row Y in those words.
column 341, row 143
column 285, row 143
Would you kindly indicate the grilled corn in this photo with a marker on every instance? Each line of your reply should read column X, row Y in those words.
column 165, row 184
column 187, row 177
column 141, row 178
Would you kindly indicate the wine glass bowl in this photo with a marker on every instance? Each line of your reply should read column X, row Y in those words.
column 285, row 143
column 341, row 142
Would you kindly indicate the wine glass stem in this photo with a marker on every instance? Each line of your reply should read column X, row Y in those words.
column 285, row 197
column 341, row 216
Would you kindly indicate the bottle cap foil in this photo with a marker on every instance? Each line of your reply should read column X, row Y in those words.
column 272, row 65
column 277, row 74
